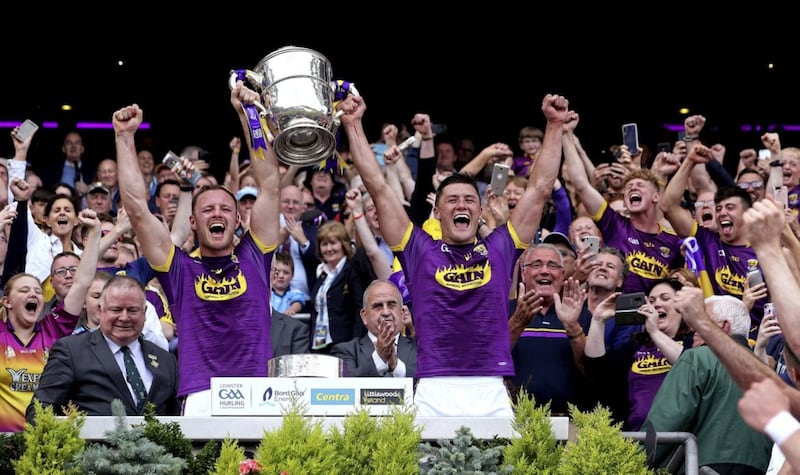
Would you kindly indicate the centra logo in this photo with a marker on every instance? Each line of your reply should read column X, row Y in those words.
column 230, row 394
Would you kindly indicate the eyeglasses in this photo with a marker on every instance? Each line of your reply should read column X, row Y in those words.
column 756, row 185
column 537, row 265
column 62, row 271
column 291, row 202
column 700, row 204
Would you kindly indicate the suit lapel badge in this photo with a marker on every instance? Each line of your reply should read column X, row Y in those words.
column 153, row 360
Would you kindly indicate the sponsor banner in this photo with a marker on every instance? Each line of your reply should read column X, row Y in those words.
column 318, row 396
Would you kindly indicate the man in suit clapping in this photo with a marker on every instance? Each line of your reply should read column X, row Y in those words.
column 382, row 351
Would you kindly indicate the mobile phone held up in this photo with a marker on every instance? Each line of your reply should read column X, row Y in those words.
column 592, row 242
column 25, row 130
column 499, row 178
column 781, row 195
column 754, row 278
column 764, row 154
column 627, row 309
column 173, row 162
column 630, row 137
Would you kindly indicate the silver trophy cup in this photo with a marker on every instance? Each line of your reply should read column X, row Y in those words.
column 300, row 113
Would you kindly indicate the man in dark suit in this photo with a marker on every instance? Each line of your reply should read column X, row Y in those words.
column 90, row 369
column 288, row 335
column 382, row 351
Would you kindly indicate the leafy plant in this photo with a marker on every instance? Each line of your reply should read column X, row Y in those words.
column 600, row 447
column 52, row 444
column 299, row 445
column 230, row 456
column 535, row 449
column 462, row 456
column 386, row 445
column 126, row 450
column 170, row 436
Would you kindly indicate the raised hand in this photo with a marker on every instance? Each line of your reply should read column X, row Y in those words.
column 694, row 124
column 556, row 109
column 700, row 154
column 570, row 304
column 763, row 222
column 128, row 119
column 690, row 303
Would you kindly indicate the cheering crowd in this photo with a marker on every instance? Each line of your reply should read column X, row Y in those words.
column 145, row 282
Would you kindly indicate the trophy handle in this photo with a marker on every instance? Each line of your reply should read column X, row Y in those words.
column 252, row 77
column 341, row 90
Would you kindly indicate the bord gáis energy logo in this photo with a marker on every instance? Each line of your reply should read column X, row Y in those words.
column 275, row 397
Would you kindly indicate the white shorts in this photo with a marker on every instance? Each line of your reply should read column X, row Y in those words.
column 462, row 396
column 197, row 404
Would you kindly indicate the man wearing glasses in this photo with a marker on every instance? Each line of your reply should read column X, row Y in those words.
column 751, row 181
column 62, row 276
column 548, row 332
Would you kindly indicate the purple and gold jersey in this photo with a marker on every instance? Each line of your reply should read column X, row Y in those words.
column 23, row 364
column 727, row 267
column 460, row 300
column 647, row 372
column 649, row 256
column 221, row 309
column 793, row 200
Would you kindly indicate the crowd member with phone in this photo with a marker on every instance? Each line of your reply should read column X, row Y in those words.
column 472, row 305
column 650, row 251
column 664, row 338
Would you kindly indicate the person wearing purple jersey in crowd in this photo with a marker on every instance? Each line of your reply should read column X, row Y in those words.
column 218, row 291
column 728, row 255
column 650, row 251
column 25, row 341
column 647, row 359
column 460, row 282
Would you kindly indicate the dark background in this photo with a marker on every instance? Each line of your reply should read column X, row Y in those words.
column 483, row 74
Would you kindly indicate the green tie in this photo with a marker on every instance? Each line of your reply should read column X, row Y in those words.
column 134, row 379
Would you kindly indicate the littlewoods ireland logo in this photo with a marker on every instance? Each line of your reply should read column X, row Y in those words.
column 382, row 396
column 333, row 396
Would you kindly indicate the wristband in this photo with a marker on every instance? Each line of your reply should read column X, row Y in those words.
column 357, row 216
column 576, row 335
column 776, row 163
column 189, row 188
column 427, row 137
column 782, row 426
column 690, row 138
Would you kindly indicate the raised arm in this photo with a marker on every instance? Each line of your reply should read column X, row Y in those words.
column 264, row 221
column 153, row 237
column 528, row 212
column 76, row 296
column 670, row 204
column 391, row 214
column 764, row 221
column 376, row 259
column 741, row 364
column 573, row 165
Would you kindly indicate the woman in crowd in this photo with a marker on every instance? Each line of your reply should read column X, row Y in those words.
column 649, row 355
column 337, row 293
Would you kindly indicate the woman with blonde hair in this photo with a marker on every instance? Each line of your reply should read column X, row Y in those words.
column 337, row 293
